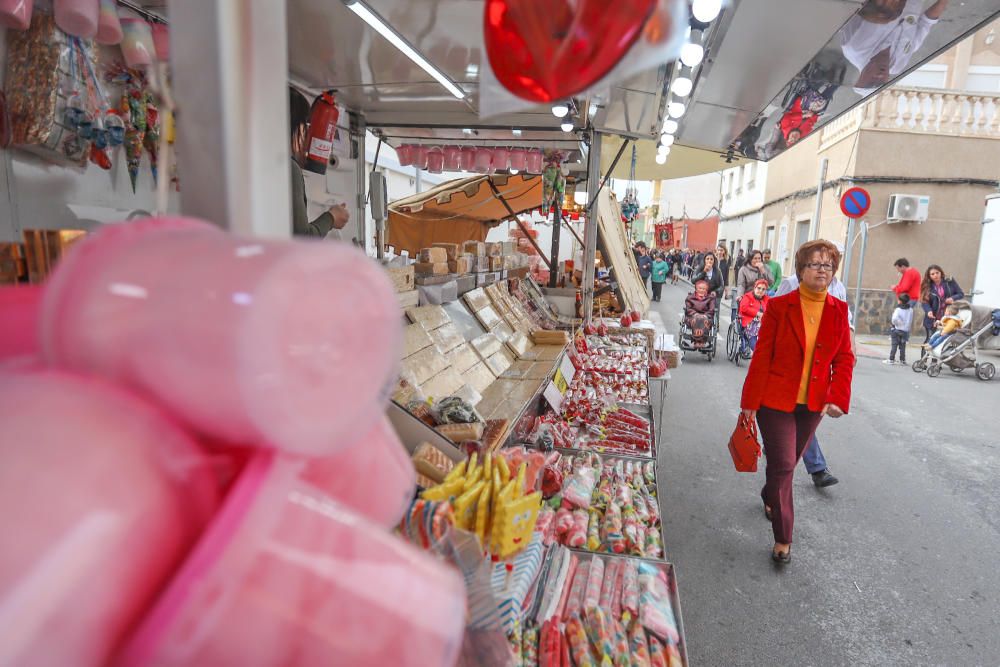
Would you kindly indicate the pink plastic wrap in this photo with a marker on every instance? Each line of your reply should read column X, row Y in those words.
column 608, row 585
column 374, row 477
column 137, row 43
column 77, row 17
column 452, row 158
column 595, row 578
column 16, row 13
column 19, row 310
column 285, row 576
column 574, row 604
column 207, row 323
column 103, row 496
column 577, row 535
column 109, row 27
column 630, row 589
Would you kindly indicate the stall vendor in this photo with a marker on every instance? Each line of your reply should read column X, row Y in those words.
column 330, row 223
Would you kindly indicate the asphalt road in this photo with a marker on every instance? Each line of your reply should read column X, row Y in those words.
column 896, row 565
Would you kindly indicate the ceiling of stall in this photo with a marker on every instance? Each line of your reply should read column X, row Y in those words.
column 760, row 54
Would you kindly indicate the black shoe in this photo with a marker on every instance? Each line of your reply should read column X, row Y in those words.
column 782, row 558
column 823, row 478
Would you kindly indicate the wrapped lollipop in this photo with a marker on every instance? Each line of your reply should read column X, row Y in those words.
column 616, row 595
column 563, row 521
column 603, row 493
column 592, row 593
column 608, row 585
column 640, row 507
column 657, row 654
column 594, row 531
column 151, row 139
column 545, row 525
column 529, row 643
column 576, row 537
column 649, row 472
column 635, row 535
column 579, row 646
column 630, row 589
column 574, row 603
column 653, row 507
column 638, row 645
column 654, row 544
column 614, row 539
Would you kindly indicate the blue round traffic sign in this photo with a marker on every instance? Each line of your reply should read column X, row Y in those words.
column 855, row 202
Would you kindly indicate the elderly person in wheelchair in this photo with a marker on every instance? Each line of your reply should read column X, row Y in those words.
column 751, row 310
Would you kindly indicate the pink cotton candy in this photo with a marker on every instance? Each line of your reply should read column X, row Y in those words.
column 102, row 496
column 286, row 344
column 109, row 27
column 286, row 576
column 77, row 17
column 374, row 476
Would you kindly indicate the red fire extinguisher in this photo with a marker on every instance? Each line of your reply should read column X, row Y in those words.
column 322, row 127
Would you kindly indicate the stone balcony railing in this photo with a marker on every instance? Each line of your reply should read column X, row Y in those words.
column 920, row 110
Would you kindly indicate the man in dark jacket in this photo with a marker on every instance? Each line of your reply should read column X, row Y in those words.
column 338, row 216
column 645, row 263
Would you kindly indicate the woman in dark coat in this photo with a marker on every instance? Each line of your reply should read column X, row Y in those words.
column 936, row 292
column 712, row 274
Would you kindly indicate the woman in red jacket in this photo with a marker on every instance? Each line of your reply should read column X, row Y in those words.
column 801, row 371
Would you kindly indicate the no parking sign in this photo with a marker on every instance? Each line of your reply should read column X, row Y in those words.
column 855, row 202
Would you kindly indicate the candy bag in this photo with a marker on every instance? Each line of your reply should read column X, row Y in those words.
column 621, row 652
column 599, row 631
column 529, row 641
column 608, row 585
column 545, row 525
column 630, row 588
column 563, row 521
column 578, row 490
column 657, row 654
column 594, row 531
column 592, row 594
column 655, row 610
column 577, row 535
column 653, row 545
column 579, row 646
column 638, row 645
column 574, row 603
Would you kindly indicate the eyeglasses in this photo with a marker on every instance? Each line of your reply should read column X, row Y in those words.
column 817, row 266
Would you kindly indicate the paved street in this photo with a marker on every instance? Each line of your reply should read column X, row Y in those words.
column 896, row 565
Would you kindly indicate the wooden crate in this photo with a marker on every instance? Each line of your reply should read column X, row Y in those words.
column 401, row 277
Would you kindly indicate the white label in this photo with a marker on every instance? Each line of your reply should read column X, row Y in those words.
column 320, row 147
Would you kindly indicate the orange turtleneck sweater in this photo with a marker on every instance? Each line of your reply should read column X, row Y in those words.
column 812, row 313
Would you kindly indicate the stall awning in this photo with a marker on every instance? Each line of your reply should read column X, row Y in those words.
column 684, row 161
column 460, row 210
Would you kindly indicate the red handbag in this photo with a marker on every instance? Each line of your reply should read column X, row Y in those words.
column 744, row 445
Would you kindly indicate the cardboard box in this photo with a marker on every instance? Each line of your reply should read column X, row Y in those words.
column 482, row 264
column 459, row 266
column 494, row 249
column 451, row 249
column 434, row 256
column 496, row 263
column 433, row 268
column 474, row 247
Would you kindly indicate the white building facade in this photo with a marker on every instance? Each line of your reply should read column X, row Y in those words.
column 742, row 198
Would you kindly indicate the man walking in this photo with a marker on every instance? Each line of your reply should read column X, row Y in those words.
column 645, row 263
column 738, row 263
column 909, row 280
column 775, row 269
column 812, row 457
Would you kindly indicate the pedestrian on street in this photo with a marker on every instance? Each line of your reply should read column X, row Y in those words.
column 738, row 263
column 725, row 263
column 775, row 269
column 936, row 292
column 801, row 371
column 659, row 275
column 902, row 322
column 751, row 272
column 813, row 458
column 710, row 273
column 645, row 263
column 675, row 268
column 909, row 280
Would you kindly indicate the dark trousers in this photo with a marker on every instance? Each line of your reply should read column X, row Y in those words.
column 785, row 436
column 899, row 339
column 657, row 288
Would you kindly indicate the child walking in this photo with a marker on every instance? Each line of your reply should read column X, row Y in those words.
column 902, row 321
column 660, row 269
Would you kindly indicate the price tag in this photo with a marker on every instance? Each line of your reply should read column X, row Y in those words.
column 561, row 380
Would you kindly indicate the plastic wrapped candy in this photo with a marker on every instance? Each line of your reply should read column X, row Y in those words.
column 614, row 540
column 594, row 531
column 530, row 644
column 630, row 589
column 579, row 488
column 653, row 508
column 657, row 654
column 576, row 635
column 563, row 521
column 374, row 477
column 454, row 410
column 621, row 647
column 603, row 493
column 640, row 507
column 578, row 589
column 655, row 610
column 592, row 593
column 608, row 585
column 220, row 344
column 653, row 545
column 284, row 575
column 576, row 537
column 635, row 535
column 639, row 645
column 601, row 637
column 102, row 496
column 616, row 596
column 516, row 639
column 545, row 525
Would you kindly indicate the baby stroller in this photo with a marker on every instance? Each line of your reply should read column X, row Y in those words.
column 960, row 350
column 698, row 329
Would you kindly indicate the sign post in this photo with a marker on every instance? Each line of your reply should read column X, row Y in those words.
column 855, row 203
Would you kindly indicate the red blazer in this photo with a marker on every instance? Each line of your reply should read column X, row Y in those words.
column 776, row 368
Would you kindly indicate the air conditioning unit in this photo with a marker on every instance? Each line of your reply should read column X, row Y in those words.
column 908, row 208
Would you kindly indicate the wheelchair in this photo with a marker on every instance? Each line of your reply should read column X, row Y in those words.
column 738, row 337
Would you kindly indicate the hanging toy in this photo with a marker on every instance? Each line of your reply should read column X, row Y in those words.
column 630, row 203
column 553, row 181
column 151, row 140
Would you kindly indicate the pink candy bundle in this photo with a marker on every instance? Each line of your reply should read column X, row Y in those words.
column 102, row 496
column 287, row 576
column 285, row 344
column 576, row 536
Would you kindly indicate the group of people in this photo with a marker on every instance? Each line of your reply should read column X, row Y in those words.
column 936, row 294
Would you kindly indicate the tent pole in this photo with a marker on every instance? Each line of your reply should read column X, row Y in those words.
column 531, row 240
column 590, row 230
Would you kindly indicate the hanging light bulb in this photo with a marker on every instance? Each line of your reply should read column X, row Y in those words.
column 661, row 158
column 692, row 54
column 592, row 111
column 560, row 109
column 669, row 126
column 567, row 125
column 681, row 86
column 666, row 140
column 706, row 10
column 513, row 172
column 676, row 109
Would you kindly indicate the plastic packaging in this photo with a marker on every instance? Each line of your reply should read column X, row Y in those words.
column 287, row 576
column 374, row 477
column 77, row 17
column 137, row 43
column 219, row 342
column 109, row 26
column 16, row 14
column 102, row 496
